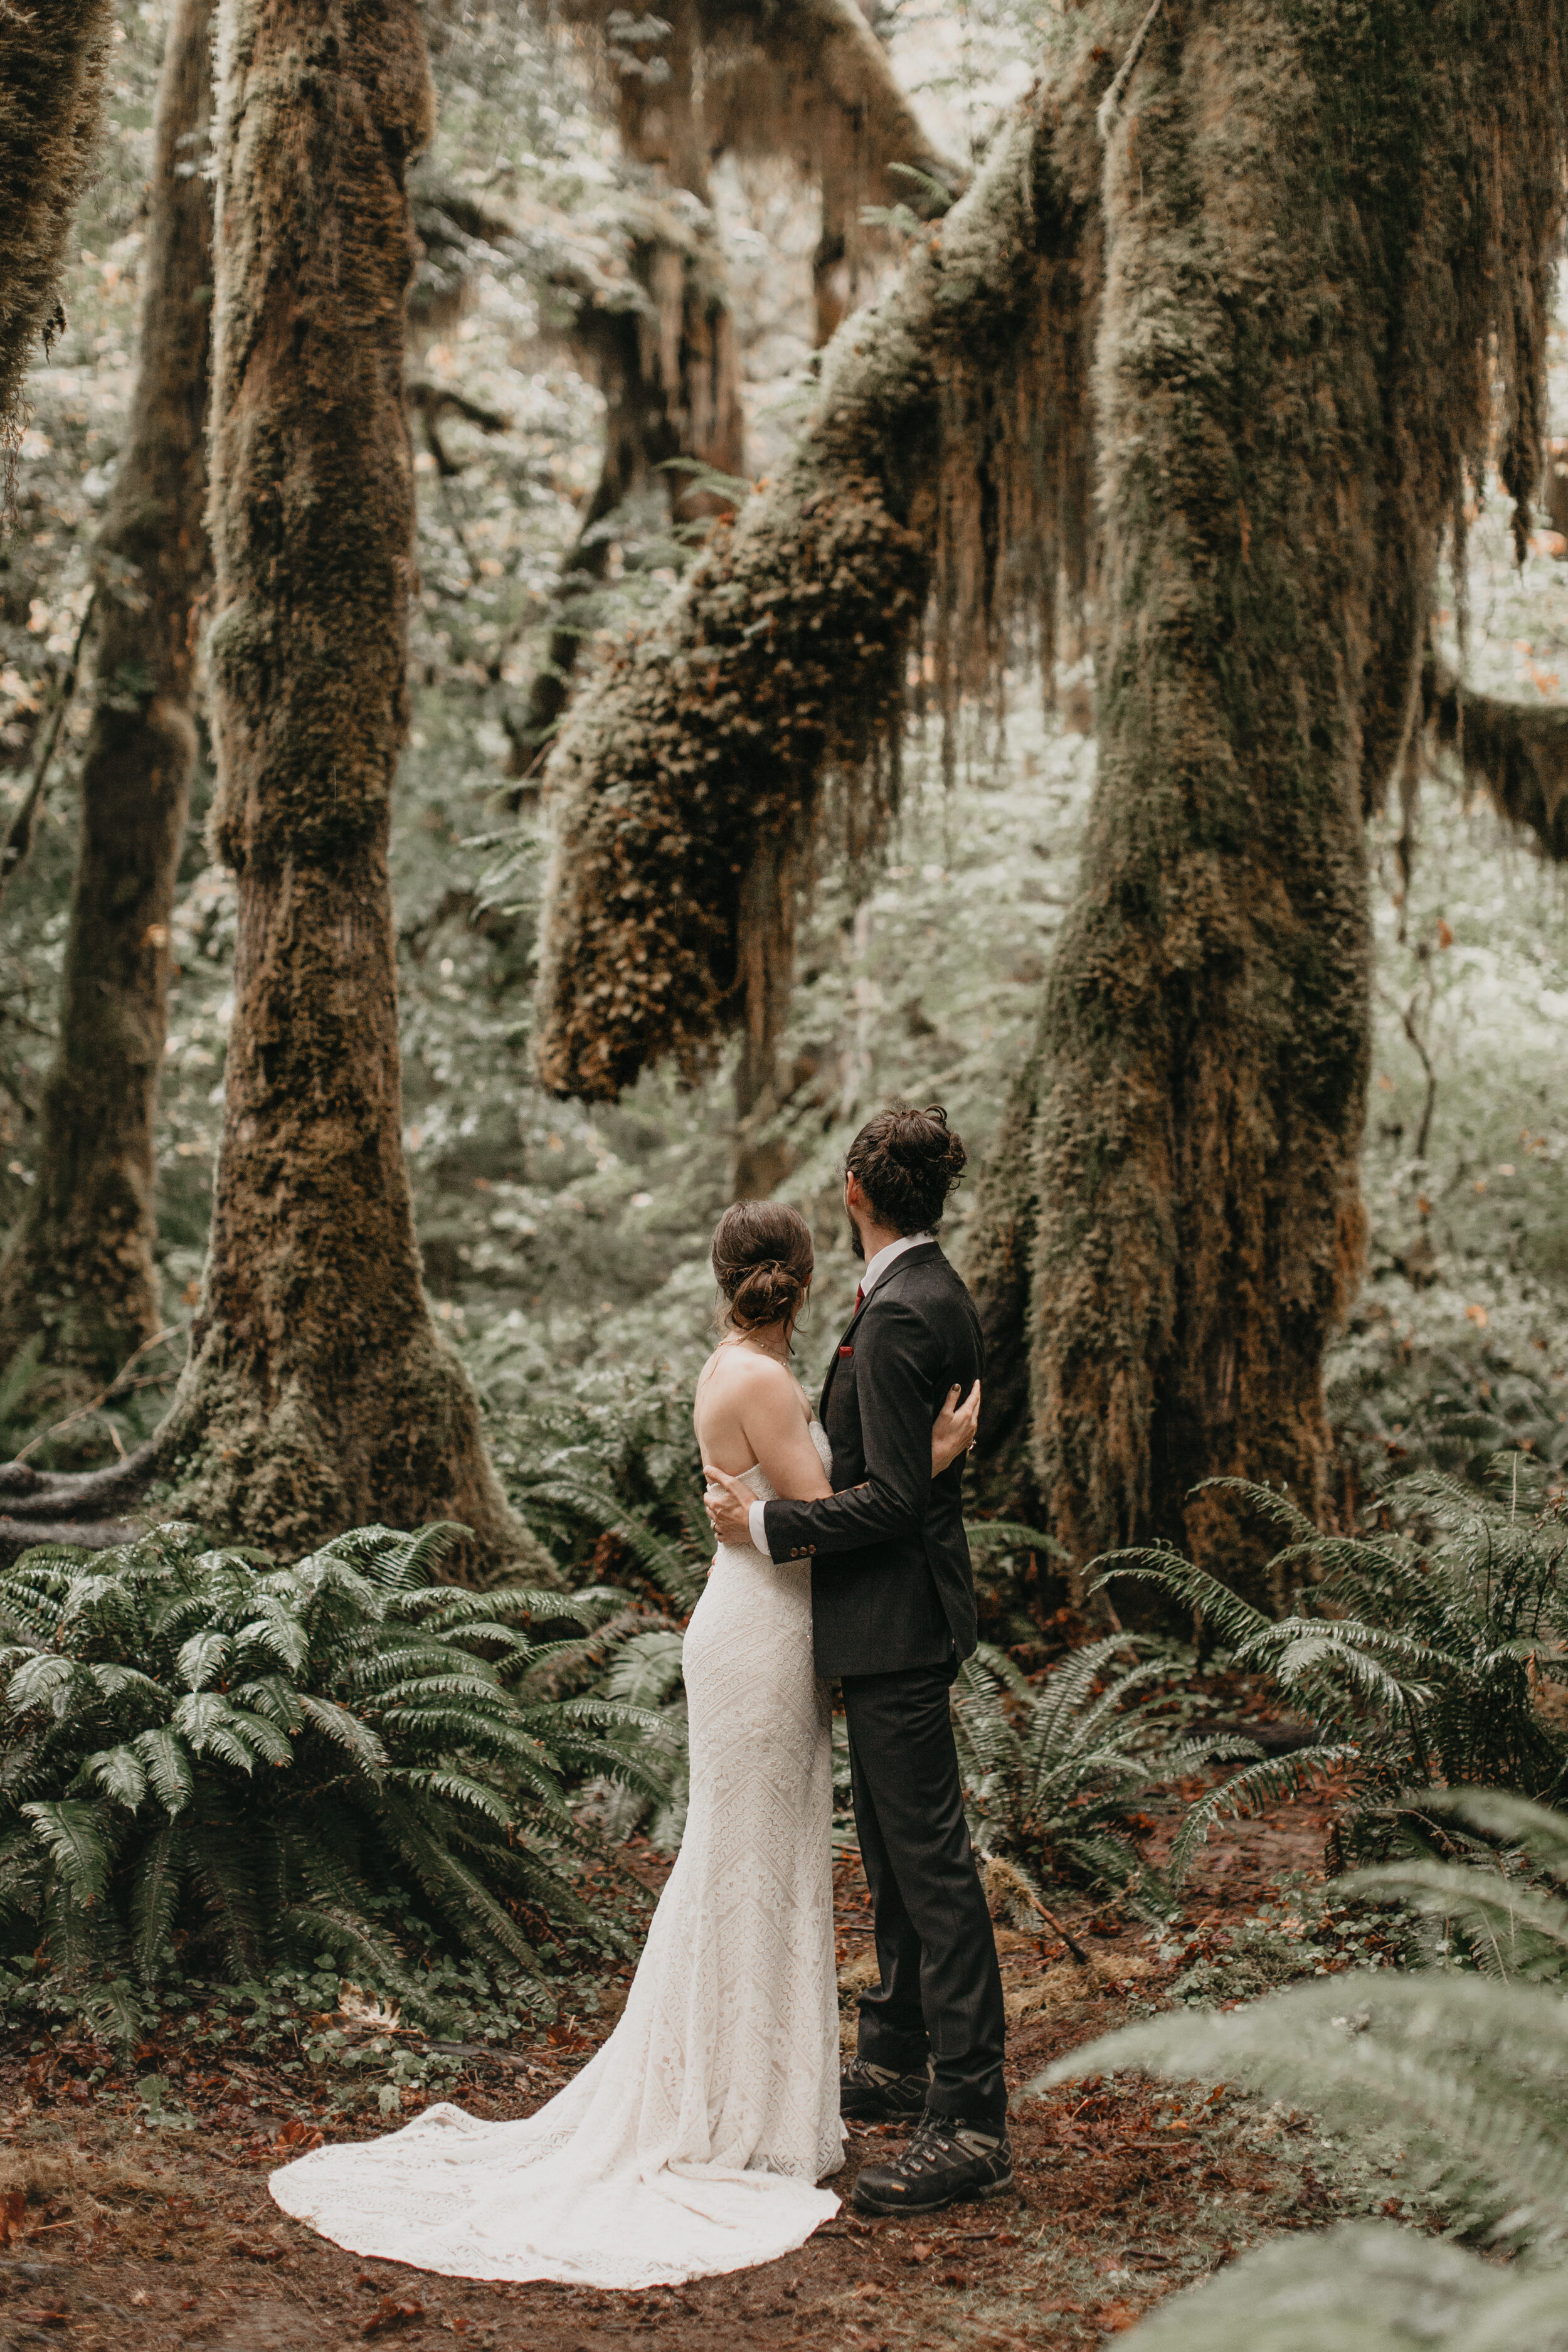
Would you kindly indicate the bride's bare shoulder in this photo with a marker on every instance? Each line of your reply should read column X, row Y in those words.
column 745, row 1371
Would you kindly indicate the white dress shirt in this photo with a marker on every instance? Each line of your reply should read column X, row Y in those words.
column 756, row 1516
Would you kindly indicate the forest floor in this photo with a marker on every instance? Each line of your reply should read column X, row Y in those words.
column 133, row 2234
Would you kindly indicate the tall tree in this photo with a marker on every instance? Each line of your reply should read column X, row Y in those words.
column 51, row 95
column 1313, row 233
column 318, row 1395
column 78, row 1269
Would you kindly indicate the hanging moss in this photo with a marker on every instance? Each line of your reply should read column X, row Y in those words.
column 662, row 349
column 688, row 784
column 51, row 94
column 1514, row 753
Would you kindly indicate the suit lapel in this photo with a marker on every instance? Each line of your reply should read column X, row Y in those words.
column 833, row 1361
column 922, row 1254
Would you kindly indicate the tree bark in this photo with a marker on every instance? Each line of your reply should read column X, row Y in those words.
column 51, row 95
column 79, row 1268
column 318, row 1395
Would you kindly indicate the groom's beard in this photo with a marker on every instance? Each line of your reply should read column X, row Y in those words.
column 855, row 1244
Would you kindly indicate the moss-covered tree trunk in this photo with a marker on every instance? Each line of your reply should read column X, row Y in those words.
column 317, row 1393
column 51, row 91
column 79, row 1269
column 1289, row 386
column 1205, row 1037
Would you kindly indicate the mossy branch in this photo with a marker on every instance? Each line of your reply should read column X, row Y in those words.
column 944, row 458
column 1516, row 752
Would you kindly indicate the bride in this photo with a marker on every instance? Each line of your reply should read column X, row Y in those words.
column 693, row 2141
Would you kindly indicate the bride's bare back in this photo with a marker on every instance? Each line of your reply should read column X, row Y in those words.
column 751, row 1413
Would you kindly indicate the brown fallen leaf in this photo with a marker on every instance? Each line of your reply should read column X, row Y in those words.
column 301, row 2137
column 12, row 2212
column 43, row 2318
column 1117, row 2317
column 389, row 2313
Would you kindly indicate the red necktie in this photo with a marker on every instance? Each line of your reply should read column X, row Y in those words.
column 859, row 1296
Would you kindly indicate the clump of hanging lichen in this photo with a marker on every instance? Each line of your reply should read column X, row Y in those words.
column 1514, row 753
column 689, row 780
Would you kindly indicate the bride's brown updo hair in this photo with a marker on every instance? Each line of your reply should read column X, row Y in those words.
column 764, row 1262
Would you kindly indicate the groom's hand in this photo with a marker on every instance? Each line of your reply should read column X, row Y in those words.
column 729, row 1504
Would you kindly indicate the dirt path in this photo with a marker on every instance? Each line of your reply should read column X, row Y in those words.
column 120, row 2236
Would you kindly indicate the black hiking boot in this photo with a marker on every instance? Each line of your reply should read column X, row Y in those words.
column 946, row 2163
column 876, row 2094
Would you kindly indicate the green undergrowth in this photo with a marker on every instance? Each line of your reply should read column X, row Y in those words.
column 205, row 1756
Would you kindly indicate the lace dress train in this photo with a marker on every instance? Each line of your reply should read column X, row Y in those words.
column 693, row 2141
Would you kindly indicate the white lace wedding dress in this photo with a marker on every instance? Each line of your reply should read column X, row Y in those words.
column 693, row 2141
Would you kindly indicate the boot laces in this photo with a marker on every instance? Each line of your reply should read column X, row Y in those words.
column 929, row 2144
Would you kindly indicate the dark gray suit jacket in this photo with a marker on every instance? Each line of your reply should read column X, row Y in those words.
column 891, row 1584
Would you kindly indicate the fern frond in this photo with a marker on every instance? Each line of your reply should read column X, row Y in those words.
column 73, row 1832
column 1231, row 1620
column 1365, row 2286
column 119, row 1773
column 154, row 1898
column 346, row 1730
column 997, row 1535
column 168, row 1767
column 1270, row 1782
column 670, row 1566
column 1471, row 2073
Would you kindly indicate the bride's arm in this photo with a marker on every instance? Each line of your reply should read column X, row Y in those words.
column 777, row 1435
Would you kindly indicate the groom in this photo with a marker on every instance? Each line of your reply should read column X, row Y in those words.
column 893, row 1614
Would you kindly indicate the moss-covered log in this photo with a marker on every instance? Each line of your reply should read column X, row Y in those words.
column 51, row 92
column 318, row 1395
column 78, row 1269
column 1514, row 753
column 947, row 451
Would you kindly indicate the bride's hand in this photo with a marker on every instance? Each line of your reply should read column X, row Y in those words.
column 954, row 1429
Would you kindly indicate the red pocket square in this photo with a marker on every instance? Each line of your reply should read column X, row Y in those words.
column 847, row 1351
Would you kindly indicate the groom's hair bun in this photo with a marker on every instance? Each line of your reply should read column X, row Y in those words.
column 763, row 1262
column 906, row 1161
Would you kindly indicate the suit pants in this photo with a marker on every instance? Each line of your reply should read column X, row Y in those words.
column 940, row 1990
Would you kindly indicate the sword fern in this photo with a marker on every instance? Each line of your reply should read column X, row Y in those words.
column 207, row 1758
